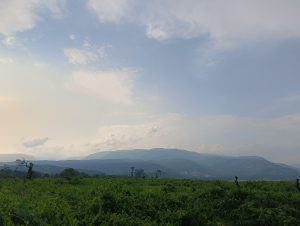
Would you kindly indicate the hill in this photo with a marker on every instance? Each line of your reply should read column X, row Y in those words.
column 189, row 164
column 174, row 163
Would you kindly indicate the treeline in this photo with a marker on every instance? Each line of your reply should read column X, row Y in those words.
column 69, row 173
column 28, row 172
column 66, row 173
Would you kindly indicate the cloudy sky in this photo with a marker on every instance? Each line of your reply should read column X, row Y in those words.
column 214, row 76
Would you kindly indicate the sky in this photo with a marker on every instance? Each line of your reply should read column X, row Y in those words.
column 212, row 76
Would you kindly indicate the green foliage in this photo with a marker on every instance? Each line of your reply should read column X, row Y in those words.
column 134, row 201
column 168, row 188
column 140, row 173
column 8, row 173
column 69, row 173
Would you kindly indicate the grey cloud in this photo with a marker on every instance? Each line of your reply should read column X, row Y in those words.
column 35, row 142
column 152, row 130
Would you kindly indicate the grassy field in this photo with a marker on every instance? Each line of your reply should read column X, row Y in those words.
column 126, row 201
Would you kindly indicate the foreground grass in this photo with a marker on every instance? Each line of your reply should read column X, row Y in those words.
column 121, row 201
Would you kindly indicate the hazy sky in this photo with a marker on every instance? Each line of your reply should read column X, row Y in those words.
column 214, row 76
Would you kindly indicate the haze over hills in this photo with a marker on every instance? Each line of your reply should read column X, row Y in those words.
column 192, row 164
column 174, row 163
column 13, row 157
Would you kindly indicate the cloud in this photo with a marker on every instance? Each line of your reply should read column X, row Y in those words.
column 157, row 131
column 110, row 10
column 10, row 40
column 79, row 56
column 6, row 60
column 219, row 134
column 50, row 152
column 275, row 138
column 113, row 86
column 18, row 16
column 226, row 23
column 87, row 54
column 292, row 98
column 72, row 36
column 54, row 6
column 122, row 136
column 35, row 142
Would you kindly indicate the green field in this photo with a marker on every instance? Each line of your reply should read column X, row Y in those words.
column 127, row 201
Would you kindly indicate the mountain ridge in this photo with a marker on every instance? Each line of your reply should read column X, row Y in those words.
column 175, row 163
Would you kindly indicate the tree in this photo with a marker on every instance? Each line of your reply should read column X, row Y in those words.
column 28, row 165
column 236, row 181
column 69, row 173
column 30, row 171
column 158, row 173
column 140, row 173
column 132, row 171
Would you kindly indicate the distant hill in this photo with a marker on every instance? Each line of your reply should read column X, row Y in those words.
column 151, row 154
column 254, row 168
column 14, row 157
column 189, row 164
column 296, row 165
column 174, row 163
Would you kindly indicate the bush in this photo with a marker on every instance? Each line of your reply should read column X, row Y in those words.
column 69, row 173
column 127, row 201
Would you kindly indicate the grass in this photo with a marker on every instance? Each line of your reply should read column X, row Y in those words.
column 128, row 201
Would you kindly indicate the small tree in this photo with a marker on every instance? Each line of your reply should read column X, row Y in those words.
column 132, row 171
column 69, row 173
column 158, row 173
column 28, row 165
column 140, row 173
column 30, row 171
column 236, row 181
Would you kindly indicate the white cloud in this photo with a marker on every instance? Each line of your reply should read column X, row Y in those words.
column 72, row 36
column 157, row 32
column 79, row 56
column 85, row 55
column 226, row 23
column 122, row 136
column 54, row 6
column 113, row 86
column 32, row 143
column 18, row 16
column 110, row 10
column 6, row 60
column 9, row 40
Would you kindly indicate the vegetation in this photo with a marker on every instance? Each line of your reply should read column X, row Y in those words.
column 28, row 165
column 136, row 201
column 30, row 174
